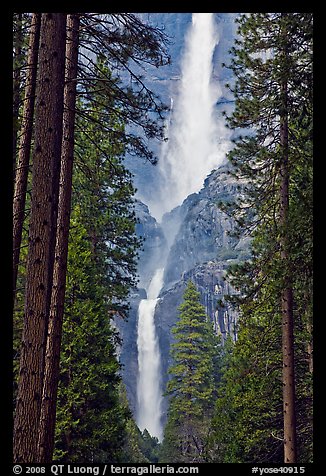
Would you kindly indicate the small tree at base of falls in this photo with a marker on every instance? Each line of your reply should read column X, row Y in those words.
column 192, row 387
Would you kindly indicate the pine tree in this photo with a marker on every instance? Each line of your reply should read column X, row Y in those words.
column 272, row 63
column 128, row 44
column 42, row 271
column 105, row 188
column 92, row 424
column 247, row 425
column 192, row 384
column 19, row 21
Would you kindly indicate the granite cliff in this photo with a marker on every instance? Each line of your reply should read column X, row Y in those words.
column 194, row 242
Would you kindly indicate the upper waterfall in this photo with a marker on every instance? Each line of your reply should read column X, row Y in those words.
column 197, row 137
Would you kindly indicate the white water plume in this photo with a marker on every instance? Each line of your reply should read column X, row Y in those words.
column 149, row 392
column 198, row 139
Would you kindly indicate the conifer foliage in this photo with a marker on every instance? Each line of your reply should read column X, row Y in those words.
column 63, row 63
column 272, row 64
column 91, row 421
column 192, row 384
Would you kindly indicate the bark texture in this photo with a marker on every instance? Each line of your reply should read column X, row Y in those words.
column 25, row 144
column 42, row 228
column 290, row 451
column 52, row 355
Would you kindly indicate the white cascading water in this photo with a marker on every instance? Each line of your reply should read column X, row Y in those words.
column 198, row 142
column 149, row 390
column 198, row 138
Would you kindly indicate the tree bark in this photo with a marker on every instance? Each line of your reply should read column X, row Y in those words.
column 310, row 348
column 16, row 84
column 52, row 355
column 42, row 229
column 25, row 144
column 290, row 450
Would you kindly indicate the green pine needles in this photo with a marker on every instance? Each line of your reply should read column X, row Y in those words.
column 192, row 384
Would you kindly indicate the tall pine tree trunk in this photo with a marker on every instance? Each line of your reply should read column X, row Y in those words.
column 16, row 83
column 42, row 230
column 25, row 144
column 290, row 450
column 52, row 355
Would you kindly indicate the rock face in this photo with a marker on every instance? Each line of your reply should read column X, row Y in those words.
column 203, row 233
column 155, row 246
column 195, row 244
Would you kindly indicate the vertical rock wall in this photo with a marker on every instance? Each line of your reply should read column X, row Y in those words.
column 195, row 243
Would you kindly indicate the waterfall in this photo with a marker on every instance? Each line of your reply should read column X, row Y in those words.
column 149, row 392
column 198, row 142
column 198, row 138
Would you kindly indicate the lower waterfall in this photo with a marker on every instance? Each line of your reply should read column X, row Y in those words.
column 149, row 392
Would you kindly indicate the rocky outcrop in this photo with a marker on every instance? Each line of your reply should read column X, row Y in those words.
column 154, row 248
column 204, row 247
column 205, row 231
column 195, row 242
